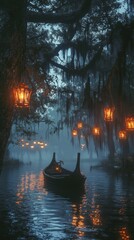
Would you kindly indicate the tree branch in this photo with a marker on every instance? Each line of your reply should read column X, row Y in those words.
column 71, row 17
column 78, row 71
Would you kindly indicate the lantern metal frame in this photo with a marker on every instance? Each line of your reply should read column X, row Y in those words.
column 129, row 122
column 96, row 131
column 22, row 94
column 122, row 135
column 108, row 114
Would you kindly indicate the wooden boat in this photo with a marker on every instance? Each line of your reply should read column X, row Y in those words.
column 60, row 177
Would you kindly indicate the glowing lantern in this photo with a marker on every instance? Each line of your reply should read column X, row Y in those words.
column 122, row 135
column 108, row 114
column 79, row 125
column 22, row 95
column 57, row 168
column 129, row 123
column 96, row 131
column 74, row 132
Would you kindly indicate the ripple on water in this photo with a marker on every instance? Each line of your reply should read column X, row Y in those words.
column 30, row 211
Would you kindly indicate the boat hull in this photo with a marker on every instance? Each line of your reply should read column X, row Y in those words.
column 68, row 180
column 61, row 178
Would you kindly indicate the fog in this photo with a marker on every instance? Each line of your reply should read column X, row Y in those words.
column 41, row 147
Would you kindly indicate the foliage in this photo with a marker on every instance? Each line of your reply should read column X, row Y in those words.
column 79, row 58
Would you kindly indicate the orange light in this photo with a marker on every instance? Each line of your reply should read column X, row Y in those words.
column 22, row 95
column 79, row 125
column 96, row 131
column 129, row 121
column 109, row 114
column 122, row 135
column 124, row 234
column 58, row 169
column 74, row 132
column 42, row 146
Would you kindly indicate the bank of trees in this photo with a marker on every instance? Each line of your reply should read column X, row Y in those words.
column 77, row 56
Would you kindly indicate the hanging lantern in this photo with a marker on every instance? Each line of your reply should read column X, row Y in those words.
column 109, row 114
column 74, row 132
column 22, row 95
column 80, row 125
column 96, row 131
column 122, row 135
column 129, row 121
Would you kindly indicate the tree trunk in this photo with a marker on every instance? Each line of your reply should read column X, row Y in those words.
column 12, row 49
column 110, row 141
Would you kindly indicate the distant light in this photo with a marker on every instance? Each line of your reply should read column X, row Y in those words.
column 83, row 145
column 80, row 125
column 129, row 121
column 122, row 135
column 42, row 146
column 74, row 132
column 109, row 114
column 96, row 131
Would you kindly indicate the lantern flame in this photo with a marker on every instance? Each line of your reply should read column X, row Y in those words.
column 122, row 135
column 79, row 125
column 96, row 131
column 74, row 132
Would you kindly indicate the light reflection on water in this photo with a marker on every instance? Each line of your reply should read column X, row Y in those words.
column 28, row 210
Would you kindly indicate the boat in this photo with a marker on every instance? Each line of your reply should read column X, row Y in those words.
column 58, row 177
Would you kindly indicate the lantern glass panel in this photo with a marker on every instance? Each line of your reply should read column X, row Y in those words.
column 74, row 132
column 96, row 131
column 108, row 114
column 79, row 125
column 129, row 121
column 122, row 135
column 22, row 95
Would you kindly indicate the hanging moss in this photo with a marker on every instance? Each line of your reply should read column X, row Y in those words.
column 87, row 102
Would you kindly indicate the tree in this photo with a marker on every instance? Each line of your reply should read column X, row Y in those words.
column 88, row 43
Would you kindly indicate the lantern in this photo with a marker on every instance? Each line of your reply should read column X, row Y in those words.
column 79, row 125
column 57, row 168
column 96, row 131
column 122, row 135
column 129, row 121
column 74, row 132
column 22, row 95
column 108, row 114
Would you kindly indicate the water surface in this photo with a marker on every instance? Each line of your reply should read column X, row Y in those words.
column 28, row 210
